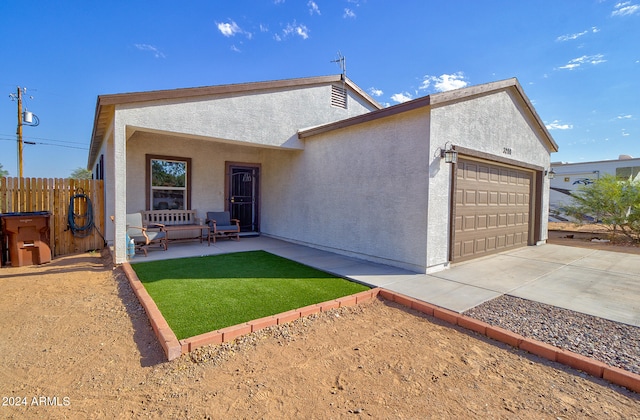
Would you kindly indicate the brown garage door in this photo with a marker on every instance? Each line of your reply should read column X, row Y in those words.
column 492, row 208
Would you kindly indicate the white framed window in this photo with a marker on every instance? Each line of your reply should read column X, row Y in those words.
column 168, row 183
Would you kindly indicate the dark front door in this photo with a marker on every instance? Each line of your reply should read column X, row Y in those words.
column 243, row 196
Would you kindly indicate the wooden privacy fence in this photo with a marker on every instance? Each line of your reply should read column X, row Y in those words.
column 54, row 196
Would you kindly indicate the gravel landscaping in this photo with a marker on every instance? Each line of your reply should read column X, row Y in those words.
column 613, row 343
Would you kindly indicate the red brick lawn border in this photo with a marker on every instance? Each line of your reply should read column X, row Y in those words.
column 577, row 361
column 174, row 348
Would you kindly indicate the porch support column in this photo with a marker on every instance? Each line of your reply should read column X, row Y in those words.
column 120, row 189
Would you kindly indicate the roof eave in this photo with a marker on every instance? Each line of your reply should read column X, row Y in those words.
column 440, row 99
column 370, row 116
column 111, row 100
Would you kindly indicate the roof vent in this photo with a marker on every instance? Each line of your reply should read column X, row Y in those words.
column 338, row 97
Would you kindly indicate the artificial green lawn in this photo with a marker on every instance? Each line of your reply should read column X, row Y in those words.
column 201, row 294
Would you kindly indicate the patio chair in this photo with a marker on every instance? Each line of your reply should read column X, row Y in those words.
column 221, row 225
column 142, row 236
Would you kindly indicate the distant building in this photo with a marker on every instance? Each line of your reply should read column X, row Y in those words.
column 570, row 176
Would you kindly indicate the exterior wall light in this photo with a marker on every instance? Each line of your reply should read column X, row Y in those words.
column 550, row 173
column 449, row 155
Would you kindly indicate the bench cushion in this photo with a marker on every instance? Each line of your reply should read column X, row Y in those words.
column 231, row 228
column 222, row 218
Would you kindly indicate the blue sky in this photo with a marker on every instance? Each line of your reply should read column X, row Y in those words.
column 578, row 61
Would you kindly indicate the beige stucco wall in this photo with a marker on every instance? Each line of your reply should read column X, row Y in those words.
column 207, row 167
column 486, row 124
column 359, row 191
column 269, row 118
column 380, row 190
column 210, row 131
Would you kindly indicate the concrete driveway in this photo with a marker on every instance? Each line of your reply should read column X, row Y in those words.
column 596, row 282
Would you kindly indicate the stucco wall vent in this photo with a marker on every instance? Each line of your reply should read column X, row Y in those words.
column 338, row 96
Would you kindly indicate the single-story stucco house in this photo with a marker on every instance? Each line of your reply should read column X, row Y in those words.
column 317, row 161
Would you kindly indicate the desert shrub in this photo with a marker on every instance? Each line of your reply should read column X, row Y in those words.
column 612, row 201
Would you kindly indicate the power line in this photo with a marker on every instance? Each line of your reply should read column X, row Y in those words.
column 33, row 143
column 44, row 138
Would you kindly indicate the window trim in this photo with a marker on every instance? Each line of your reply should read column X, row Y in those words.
column 147, row 188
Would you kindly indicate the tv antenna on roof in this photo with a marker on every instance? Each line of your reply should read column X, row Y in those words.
column 342, row 63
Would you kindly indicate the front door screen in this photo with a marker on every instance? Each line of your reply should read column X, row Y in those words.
column 243, row 197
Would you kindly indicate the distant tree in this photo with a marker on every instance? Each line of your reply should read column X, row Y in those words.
column 3, row 172
column 81, row 173
column 612, row 201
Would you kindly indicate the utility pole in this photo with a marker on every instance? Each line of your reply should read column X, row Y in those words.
column 24, row 117
column 19, row 132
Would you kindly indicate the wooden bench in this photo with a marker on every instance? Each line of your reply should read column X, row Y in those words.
column 180, row 225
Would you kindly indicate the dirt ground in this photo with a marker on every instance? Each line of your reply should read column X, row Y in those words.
column 75, row 343
column 590, row 236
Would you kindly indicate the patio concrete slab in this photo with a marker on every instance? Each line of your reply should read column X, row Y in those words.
column 596, row 282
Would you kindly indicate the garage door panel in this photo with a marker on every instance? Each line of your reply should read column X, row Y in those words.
column 458, row 224
column 469, row 223
column 483, row 173
column 467, row 247
column 510, row 239
column 483, row 198
column 492, row 209
column 470, row 197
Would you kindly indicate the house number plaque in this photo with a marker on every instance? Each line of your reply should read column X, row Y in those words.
column 506, row 151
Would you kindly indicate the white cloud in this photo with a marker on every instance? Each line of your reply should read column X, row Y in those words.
column 375, row 92
column 624, row 117
column 444, row 82
column 585, row 59
column 235, row 49
column 146, row 47
column 557, row 126
column 348, row 13
column 229, row 29
column 571, row 37
column 401, row 97
column 625, row 133
column 313, row 7
column 293, row 29
column 569, row 66
column 625, row 9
